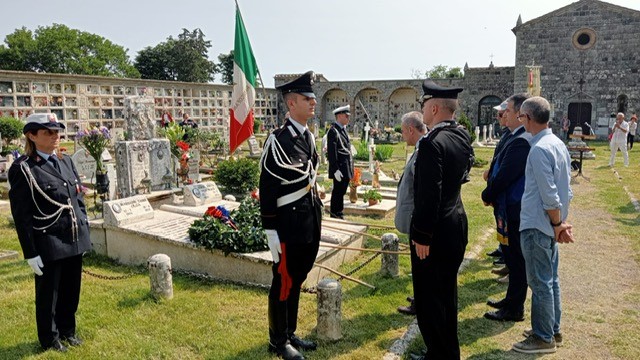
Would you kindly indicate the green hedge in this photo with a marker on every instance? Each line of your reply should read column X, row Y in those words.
column 238, row 176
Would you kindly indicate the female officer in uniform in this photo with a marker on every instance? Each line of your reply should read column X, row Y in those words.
column 51, row 221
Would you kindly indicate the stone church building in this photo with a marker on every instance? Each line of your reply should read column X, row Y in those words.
column 586, row 53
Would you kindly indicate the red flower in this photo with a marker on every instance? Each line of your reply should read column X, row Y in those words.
column 214, row 212
column 255, row 194
column 182, row 145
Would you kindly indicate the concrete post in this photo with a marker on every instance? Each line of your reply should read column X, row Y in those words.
column 329, row 310
column 390, row 264
column 160, row 276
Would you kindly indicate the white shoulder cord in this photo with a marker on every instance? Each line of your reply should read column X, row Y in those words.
column 61, row 207
column 280, row 157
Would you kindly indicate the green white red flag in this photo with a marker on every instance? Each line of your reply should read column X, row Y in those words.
column 243, row 97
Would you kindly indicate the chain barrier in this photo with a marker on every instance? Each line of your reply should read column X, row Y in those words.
column 110, row 277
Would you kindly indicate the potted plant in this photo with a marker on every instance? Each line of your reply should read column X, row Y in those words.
column 372, row 196
column 95, row 141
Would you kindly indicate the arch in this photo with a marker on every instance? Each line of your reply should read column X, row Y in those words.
column 623, row 103
column 371, row 99
column 486, row 112
column 401, row 101
column 332, row 99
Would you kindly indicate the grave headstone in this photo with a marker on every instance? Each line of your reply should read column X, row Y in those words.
column 254, row 147
column 194, row 165
column 127, row 211
column 203, row 193
column 113, row 181
column 367, row 128
column 132, row 165
column 160, row 167
column 139, row 117
column 85, row 165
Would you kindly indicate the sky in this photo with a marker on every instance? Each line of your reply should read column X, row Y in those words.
column 341, row 39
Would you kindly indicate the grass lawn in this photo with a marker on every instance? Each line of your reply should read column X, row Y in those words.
column 216, row 320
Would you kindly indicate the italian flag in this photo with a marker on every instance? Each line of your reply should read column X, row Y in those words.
column 243, row 98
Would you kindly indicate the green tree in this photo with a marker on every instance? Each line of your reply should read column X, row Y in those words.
column 60, row 49
column 10, row 128
column 444, row 72
column 226, row 67
column 181, row 59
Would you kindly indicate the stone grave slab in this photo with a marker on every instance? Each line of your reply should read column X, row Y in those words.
column 132, row 165
column 167, row 233
column 127, row 211
column 254, row 147
column 160, row 164
column 85, row 165
column 200, row 209
column 201, row 194
column 194, row 165
column 380, row 210
column 387, row 192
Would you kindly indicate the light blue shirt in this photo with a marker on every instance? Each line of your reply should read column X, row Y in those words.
column 547, row 178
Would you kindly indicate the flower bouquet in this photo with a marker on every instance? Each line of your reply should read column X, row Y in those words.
column 94, row 141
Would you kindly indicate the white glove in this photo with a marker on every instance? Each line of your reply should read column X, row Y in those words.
column 338, row 175
column 274, row 244
column 36, row 264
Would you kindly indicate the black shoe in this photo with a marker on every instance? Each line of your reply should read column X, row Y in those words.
column 421, row 356
column 500, row 261
column 72, row 340
column 286, row 351
column 504, row 315
column 407, row 310
column 410, row 299
column 495, row 253
column 497, row 304
column 56, row 345
column 301, row 344
column 337, row 216
column 502, row 271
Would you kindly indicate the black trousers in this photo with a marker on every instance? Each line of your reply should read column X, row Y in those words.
column 517, row 289
column 630, row 139
column 283, row 315
column 57, row 298
column 435, row 287
column 337, row 196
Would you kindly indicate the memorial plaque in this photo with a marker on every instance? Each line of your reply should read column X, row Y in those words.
column 194, row 165
column 132, row 165
column 127, row 211
column 203, row 193
column 254, row 147
column 85, row 165
column 160, row 166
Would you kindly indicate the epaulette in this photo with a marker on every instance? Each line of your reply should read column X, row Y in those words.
column 22, row 158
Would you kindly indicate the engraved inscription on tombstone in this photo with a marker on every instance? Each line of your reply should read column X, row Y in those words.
column 127, row 211
column 132, row 160
column 161, row 172
column 85, row 165
column 254, row 148
column 203, row 193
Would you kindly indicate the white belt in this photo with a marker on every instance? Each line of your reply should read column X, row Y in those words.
column 289, row 198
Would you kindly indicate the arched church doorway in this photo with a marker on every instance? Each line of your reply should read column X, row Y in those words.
column 580, row 114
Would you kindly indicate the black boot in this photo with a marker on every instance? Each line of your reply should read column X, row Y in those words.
column 286, row 351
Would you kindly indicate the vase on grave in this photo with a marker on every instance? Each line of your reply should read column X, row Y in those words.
column 353, row 194
column 102, row 182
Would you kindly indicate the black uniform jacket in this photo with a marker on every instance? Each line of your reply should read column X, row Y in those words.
column 299, row 221
column 445, row 157
column 56, row 241
column 339, row 152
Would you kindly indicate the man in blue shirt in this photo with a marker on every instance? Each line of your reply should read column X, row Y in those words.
column 545, row 206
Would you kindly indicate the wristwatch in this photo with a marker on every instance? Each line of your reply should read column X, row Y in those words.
column 556, row 224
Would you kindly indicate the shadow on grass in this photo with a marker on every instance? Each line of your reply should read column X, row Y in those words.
column 502, row 354
column 21, row 351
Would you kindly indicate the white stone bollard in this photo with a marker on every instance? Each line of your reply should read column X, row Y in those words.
column 160, row 276
column 329, row 310
column 390, row 264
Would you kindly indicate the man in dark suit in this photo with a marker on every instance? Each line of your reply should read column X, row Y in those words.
column 439, row 223
column 340, row 160
column 413, row 129
column 51, row 221
column 504, row 191
column 291, row 214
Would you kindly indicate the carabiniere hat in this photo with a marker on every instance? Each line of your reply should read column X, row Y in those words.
column 42, row 121
column 301, row 85
column 342, row 110
column 432, row 91
column 502, row 106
